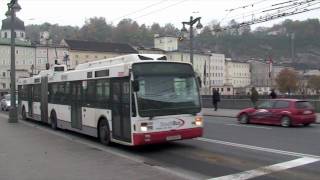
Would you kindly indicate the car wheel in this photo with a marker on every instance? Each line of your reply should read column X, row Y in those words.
column 23, row 113
column 244, row 118
column 285, row 121
column 104, row 132
column 306, row 124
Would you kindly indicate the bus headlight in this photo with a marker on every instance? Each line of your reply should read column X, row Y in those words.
column 198, row 121
column 145, row 127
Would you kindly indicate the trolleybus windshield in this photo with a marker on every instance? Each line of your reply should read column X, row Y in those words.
column 166, row 89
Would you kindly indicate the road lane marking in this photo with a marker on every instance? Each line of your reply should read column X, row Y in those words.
column 268, row 169
column 276, row 151
column 248, row 126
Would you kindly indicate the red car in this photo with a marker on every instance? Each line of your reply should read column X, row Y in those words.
column 284, row 112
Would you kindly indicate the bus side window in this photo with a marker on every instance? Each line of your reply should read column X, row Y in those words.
column 134, row 111
column 54, row 92
column 103, row 92
column 89, row 93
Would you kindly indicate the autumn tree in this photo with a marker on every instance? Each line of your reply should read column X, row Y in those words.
column 287, row 80
column 314, row 83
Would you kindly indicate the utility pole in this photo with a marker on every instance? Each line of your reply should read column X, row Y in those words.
column 184, row 30
column 13, row 7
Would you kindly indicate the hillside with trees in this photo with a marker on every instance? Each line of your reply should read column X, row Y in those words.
column 239, row 44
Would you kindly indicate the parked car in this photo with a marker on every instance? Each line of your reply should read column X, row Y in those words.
column 284, row 112
column 5, row 103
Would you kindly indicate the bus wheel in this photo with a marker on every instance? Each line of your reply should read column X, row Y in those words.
column 53, row 119
column 23, row 113
column 104, row 132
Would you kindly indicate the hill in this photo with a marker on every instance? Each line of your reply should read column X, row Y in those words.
column 295, row 43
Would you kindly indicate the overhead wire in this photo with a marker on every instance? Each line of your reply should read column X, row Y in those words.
column 263, row 10
column 299, row 8
column 139, row 10
column 160, row 9
column 247, row 5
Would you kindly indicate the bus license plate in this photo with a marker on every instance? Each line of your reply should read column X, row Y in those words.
column 171, row 138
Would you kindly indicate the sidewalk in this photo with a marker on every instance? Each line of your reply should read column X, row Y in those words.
column 232, row 113
column 30, row 153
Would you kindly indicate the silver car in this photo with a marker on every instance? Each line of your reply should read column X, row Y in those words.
column 5, row 103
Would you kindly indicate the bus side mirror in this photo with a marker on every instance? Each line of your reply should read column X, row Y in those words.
column 199, row 81
column 135, row 85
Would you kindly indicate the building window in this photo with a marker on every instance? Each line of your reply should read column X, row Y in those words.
column 5, row 35
column 77, row 56
column 3, row 85
column 17, row 52
column 21, row 34
column 4, row 74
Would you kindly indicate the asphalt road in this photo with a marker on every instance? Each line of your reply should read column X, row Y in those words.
column 228, row 150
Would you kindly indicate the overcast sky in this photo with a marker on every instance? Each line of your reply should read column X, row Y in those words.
column 75, row 12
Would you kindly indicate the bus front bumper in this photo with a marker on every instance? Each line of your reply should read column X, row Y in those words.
column 165, row 136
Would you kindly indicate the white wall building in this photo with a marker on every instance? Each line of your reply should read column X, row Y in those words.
column 166, row 43
column 216, row 70
column 237, row 75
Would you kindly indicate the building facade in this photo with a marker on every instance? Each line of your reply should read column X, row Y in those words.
column 261, row 76
column 29, row 58
column 237, row 75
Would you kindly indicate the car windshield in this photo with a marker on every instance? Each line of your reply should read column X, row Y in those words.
column 266, row 105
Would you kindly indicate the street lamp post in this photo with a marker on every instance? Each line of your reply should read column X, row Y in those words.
column 13, row 7
column 184, row 30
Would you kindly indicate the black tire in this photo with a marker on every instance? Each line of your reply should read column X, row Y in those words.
column 53, row 118
column 306, row 124
column 244, row 118
column 24, row 113
column 104, row 132
column 285, row 121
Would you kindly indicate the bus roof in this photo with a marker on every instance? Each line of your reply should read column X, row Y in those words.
column 130, row 58
column 112, row 67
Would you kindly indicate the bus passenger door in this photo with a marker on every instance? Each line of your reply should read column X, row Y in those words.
column 120, row 95
column 76, row 117
column 44, row 99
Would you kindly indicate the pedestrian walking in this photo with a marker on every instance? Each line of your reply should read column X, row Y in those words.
column 215, row 98
column 254, row 96
column 273, row 94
